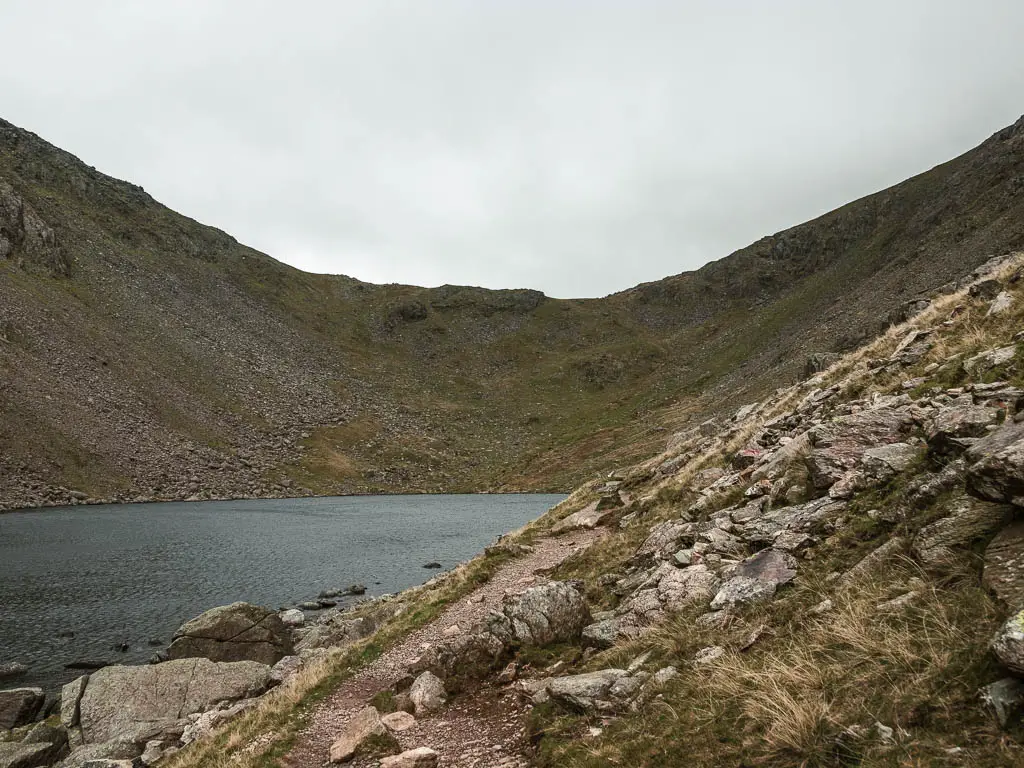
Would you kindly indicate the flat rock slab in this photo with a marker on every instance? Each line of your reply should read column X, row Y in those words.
column 421, row 757
column 397, row 722
column 768, row 565
column 139, row 703
column 1003, row 572
column 589, row 517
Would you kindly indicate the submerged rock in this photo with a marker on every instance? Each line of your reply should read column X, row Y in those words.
column 12, row 669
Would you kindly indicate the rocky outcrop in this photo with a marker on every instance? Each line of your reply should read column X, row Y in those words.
column 25, row 238
column 955, row 428
column 591, row 516
column 236, row 632
column 141, row 703
column 996, row 465
column 839, row 446
column 551, row 613
column 334, row 631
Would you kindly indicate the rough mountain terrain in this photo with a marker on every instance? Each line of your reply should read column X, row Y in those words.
column 144, row 355
column 830, row 576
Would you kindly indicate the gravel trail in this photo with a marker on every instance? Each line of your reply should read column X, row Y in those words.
column 481, row 728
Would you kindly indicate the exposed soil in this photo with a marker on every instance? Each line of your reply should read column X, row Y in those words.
column 481, row 727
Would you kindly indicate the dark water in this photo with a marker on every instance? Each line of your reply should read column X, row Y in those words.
column 131, row 573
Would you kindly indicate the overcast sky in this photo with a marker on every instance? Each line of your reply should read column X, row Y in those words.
column 574, row 147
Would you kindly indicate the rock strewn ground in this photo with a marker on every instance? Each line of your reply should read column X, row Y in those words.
column 481, row 728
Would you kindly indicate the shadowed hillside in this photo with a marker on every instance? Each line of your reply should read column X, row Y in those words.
column 144, row 355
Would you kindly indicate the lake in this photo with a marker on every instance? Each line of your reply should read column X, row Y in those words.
column 76, row 582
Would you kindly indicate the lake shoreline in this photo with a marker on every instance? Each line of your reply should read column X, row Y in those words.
column 91, row 502
column 80, row 583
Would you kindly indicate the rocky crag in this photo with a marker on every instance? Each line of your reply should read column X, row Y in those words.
column 829, row 576
column 146, row 356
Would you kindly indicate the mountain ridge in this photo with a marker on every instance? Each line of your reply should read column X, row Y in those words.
column 213, row 370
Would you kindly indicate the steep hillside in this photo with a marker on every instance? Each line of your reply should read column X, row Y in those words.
column 143, row 355
column 830, row 578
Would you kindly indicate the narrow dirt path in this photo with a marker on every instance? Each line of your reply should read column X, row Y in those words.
column 482, row 728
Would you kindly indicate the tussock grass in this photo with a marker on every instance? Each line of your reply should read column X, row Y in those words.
column 811, row 688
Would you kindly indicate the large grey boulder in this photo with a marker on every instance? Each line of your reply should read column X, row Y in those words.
column 141, row 703
column 19, row 706
column 969, row 520
column 1008, row 644
column 236, row 632
column 470, row 656
column 1003, row 571
column 550, row 613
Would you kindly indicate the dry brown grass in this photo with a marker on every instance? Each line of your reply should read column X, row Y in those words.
column 811, row 689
